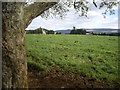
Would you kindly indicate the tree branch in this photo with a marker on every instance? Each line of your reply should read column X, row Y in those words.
column 34, row 10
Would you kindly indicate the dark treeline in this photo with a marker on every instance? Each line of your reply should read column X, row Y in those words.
column 41, row 31
column 73, row 31
column 78, row 31
column 84, row 32
column 106, row 34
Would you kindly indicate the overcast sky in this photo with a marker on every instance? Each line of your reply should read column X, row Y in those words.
column 95, row 19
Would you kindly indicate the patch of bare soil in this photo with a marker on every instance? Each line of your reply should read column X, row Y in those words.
column 63, row 79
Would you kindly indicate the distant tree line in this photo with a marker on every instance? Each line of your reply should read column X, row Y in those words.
column 105, row 34
column 41, row 31
column 84, row 32
column 78, row 31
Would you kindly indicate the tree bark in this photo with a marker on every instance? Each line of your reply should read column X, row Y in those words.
column 14, row 64
column 15, row 19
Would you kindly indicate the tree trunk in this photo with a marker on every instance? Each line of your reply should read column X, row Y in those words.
column 15, row 19
column 14, row 64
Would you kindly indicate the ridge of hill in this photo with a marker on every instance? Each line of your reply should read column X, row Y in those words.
column 105, row 30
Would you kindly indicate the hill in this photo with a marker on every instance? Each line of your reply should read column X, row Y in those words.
column 105, row 30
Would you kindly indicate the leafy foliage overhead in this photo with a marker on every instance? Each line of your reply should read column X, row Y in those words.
column 81, row 7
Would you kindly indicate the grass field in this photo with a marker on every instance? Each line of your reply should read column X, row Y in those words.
column 93, row 56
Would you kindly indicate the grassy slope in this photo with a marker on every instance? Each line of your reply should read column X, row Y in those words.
column 94, row 56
